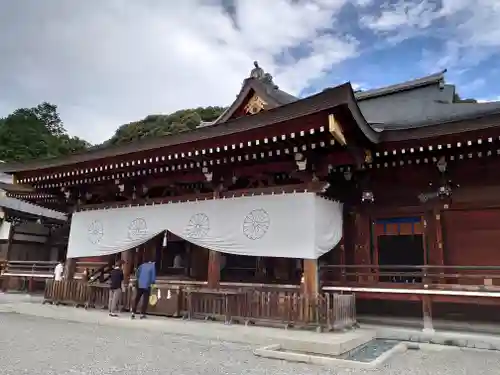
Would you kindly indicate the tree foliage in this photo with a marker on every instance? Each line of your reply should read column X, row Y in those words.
column 163, row 125
column 458, row 99
column 38, row 132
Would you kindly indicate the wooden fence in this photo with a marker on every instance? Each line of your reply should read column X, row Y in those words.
column 330, row 311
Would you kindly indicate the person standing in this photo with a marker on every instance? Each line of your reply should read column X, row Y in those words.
column 146, row 277
column 58, row 271
column 115, row 288
column 85, row 275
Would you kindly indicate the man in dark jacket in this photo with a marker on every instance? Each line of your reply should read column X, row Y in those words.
column 115, row 288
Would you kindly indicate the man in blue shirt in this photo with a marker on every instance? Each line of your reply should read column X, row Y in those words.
column 146, row 276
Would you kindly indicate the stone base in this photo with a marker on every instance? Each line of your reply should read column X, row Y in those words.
column 327, row 344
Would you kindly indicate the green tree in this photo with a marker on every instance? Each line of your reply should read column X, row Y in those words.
column 30, row 133
column 164, row 125
column 38, row 132
column 47, row 113
column 458, row 99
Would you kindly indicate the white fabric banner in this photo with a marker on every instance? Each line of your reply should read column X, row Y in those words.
column 300, row 225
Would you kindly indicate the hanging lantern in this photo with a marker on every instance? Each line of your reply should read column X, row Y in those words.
column 165, row 240
column 367, row 197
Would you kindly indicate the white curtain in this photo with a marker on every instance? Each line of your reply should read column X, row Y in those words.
column 328, row 225
column 5, row 228
column 285, row 225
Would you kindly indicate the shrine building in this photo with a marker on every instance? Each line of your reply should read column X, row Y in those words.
column 391, row 194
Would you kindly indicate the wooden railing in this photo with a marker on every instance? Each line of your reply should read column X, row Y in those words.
column 283, row 308
column 89, row 266
column 26, row 275
column 411, row 276
column 41, row 269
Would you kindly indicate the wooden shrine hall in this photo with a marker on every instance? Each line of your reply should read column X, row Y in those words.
column 390, row 194
column 29, row 239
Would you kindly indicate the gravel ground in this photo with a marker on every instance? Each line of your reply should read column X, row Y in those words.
column 31, row 345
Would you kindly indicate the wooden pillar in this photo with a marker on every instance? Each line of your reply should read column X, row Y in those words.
column 362, row 244
column 342, row 261
column 439, row 244
column 12, row 232
column 187, row 259
column 213, row 269
column 260, row 270
column 70, row 268
column 433, row 245
column 311, row 277
column 127, row 257
column 213, row 276
column 5, row 281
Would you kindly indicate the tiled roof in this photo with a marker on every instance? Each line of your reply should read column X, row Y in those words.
column 417, row 103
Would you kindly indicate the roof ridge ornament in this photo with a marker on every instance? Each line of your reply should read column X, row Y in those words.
column 259, row 73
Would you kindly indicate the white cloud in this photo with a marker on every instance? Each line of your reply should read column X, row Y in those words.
column 469, row 29
column 401, row 15
column 356, row 86
column 363, row 3
column 473, row 32
column 106, row 63
column 489, row 100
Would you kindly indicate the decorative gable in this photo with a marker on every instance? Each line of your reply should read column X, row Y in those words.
column 255, row 105
column 258, row 93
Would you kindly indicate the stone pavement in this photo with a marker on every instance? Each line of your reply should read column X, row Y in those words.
column 331, row 343
column 31, row 305
column 43, row 346
column 38, row 339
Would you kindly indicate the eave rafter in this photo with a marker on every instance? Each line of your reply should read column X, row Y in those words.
column 250, row 151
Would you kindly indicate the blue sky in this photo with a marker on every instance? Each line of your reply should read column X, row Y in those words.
column 424, row 42
column 110, row 62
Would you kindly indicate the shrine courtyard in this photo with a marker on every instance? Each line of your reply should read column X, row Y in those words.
column 46, row 342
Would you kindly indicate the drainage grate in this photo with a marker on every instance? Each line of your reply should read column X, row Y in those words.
column 369, row 351
column 366, row 353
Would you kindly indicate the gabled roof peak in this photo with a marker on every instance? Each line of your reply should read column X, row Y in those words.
column 436, row 78
column 260, row 84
